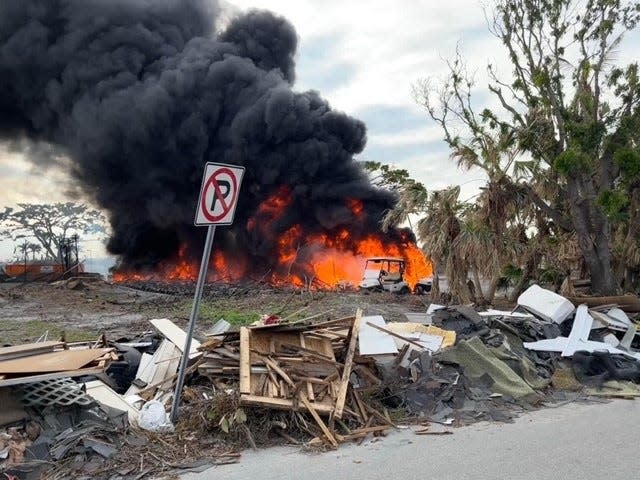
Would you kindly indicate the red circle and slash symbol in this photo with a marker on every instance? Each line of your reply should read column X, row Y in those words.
column 213, row 181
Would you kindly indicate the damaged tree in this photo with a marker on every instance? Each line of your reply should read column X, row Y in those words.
column 564, row 140
column 49, row 224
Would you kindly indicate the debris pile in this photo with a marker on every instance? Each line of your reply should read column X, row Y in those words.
column 76, row 409
column 300, row 367
column 47, row 416
column 94, row 408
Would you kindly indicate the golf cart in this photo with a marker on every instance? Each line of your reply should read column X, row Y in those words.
column 385, row 273
column 423, row 286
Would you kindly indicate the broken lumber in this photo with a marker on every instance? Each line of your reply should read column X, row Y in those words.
column 348, row 363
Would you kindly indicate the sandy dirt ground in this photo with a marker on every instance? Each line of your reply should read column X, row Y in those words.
column 83, row 311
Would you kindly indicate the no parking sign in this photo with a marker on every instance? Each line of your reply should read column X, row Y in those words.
column 219, row 194
column 216, row 206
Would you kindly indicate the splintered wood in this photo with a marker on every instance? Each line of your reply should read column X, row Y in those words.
column 311, row 368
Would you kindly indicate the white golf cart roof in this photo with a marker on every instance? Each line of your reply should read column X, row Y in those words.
column 385, row 259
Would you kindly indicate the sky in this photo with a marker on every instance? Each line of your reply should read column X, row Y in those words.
column 363, row 56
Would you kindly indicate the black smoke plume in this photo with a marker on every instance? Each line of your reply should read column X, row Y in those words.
column 140, row 94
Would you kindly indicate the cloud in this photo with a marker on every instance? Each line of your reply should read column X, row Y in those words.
column 24, row 182
column 375, row 50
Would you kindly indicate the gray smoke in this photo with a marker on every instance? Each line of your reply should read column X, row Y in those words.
column 140, row 94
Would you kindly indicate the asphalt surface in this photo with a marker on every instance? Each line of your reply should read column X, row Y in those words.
column 574, row 441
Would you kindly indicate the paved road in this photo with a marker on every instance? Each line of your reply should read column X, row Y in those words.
column 575, row 441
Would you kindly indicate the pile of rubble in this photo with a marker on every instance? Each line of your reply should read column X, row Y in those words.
column 95, row 408
column 504, row 362
column 300, row 367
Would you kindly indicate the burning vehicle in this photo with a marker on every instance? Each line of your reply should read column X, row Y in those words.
column 387, row 274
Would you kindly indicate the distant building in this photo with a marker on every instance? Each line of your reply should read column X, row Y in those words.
column 40, row 270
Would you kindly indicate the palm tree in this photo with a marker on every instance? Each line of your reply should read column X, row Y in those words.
column 34, row 248
column 413, row 198
column 438, row 230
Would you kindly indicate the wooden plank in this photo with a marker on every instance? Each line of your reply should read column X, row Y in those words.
column 348, row 363
column 317, row 381
column 282, row 403
column 312, row 354
column 176, row 335
column 245, row 361
column 316, row 417
column 339, row 321
column 146, row 366
column 360, row 406
column 51, row 362
column 272, row 376
column 362, row 432
column 153, row 386
column 273, row 365
column 310, row 393
column 172, row 370
column 18, row 351
column 365, row 373
column 158, row 367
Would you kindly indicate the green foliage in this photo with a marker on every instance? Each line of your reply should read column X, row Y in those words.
column 511, row 274
column 551, row 274
column 586, row 135
column 386, row 176
column 614, row 203
column 234, row 317
column 628, row 159
column 572, row 161
column 209, row 310
column 230, row 420
column 411, row 195
column 567, row 125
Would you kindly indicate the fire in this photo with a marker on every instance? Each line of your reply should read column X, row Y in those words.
column 316, row 261
column 333, row 264
column 356, row 206
column 271, row 209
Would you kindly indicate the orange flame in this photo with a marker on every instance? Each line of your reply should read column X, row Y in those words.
column 317, row 261
column 356, row 206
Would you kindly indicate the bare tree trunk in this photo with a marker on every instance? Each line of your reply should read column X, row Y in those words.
column 479, row 294
column 527, row 273
column 457, row 276
column 493, row 286
column 435, row 283
column 461, row 290
column 593, row 231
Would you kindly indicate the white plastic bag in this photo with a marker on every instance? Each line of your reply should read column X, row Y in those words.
column 153, row 417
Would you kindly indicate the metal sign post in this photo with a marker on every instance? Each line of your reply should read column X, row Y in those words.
column 195, row 309
column 216, row 206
